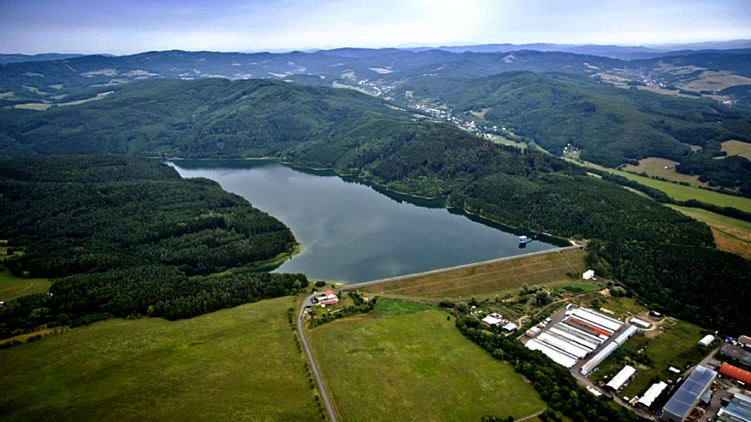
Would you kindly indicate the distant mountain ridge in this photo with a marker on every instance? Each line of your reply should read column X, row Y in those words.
column 609, row 127
column 19, row 58
column 623, row 52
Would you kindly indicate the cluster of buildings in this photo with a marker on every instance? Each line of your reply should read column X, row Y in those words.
column 694, row 389
column 325, row 299
column 498, row 320
column 585, row 337
column 699, row 387
column 579, row 334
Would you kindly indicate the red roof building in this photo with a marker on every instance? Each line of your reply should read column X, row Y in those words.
column 734, row 372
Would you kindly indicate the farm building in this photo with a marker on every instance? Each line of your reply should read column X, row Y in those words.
column 630, row 331
column 730, row 371
column 688, row 395
column 327, row 299
column 599, row 357
column 598, row 319
column 587, row 327
column 640, row 323
column 493, row 319
column 553, row 353
column 741, row 354
column 607, row 350
column 739, row 409
column 651, row 395
column 623, row 376
column 570, row 335
column 510, row 327
column 588, row 275
column 560, row 343
column 706, row 340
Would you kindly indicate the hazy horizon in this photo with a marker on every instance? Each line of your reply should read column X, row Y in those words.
column 110, row 27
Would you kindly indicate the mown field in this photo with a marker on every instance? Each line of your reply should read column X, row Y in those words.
column 498, row 276
column 737, row 148
column 235, row 364
column 407, row 361
column 730, row 234
column 682, row 192
column 12, row 287
column 664, row 168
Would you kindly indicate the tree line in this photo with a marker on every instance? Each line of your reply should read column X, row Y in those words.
column 127, row 236
column 553, row 382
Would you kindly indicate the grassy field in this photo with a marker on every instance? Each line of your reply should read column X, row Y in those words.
column 674, row 344
column 401, row 362
column 661, row 167
column 12, row 287
column 730, row 234
column 714, row 80
column 235, row 364
column 498, row 276
column 502, row 140
column 737, row 148
column 681, row 192
column 34, row 106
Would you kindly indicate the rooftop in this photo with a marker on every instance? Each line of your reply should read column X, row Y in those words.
column 684, row 399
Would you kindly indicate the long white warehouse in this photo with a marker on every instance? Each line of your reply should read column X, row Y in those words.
column 598, row 319
column 564, row 345
column 573, row 338
column 553, row 353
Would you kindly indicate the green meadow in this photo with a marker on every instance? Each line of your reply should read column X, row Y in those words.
column 409, row 361
column 235, row 364
column 12, row 287
column 681, row 192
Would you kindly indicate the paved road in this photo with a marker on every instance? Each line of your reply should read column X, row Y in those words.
column 312, row 363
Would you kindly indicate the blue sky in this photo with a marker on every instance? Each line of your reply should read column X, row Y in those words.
column 124, row 27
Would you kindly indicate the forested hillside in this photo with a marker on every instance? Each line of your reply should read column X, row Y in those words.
column 207, row 118
column 569, row 99
column 128, row 236
column 359, row 136
column 611, row 126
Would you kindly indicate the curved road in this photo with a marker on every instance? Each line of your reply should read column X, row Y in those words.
column 321, row 388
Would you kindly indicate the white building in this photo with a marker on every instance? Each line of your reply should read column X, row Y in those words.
column 621, row 378
column 639, row 323
column 651, row 394
column 492, row 320
column 706, row 340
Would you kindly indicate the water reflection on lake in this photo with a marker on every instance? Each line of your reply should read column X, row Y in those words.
column 349, row 232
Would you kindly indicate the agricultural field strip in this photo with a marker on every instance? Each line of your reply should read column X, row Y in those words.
column 495, row 277
column 677, row 191
column 480, row 287
column 499, row 275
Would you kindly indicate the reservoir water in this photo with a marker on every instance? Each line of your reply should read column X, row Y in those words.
column 349, row 232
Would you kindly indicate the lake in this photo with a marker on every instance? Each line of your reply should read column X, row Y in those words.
column 350, row 232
